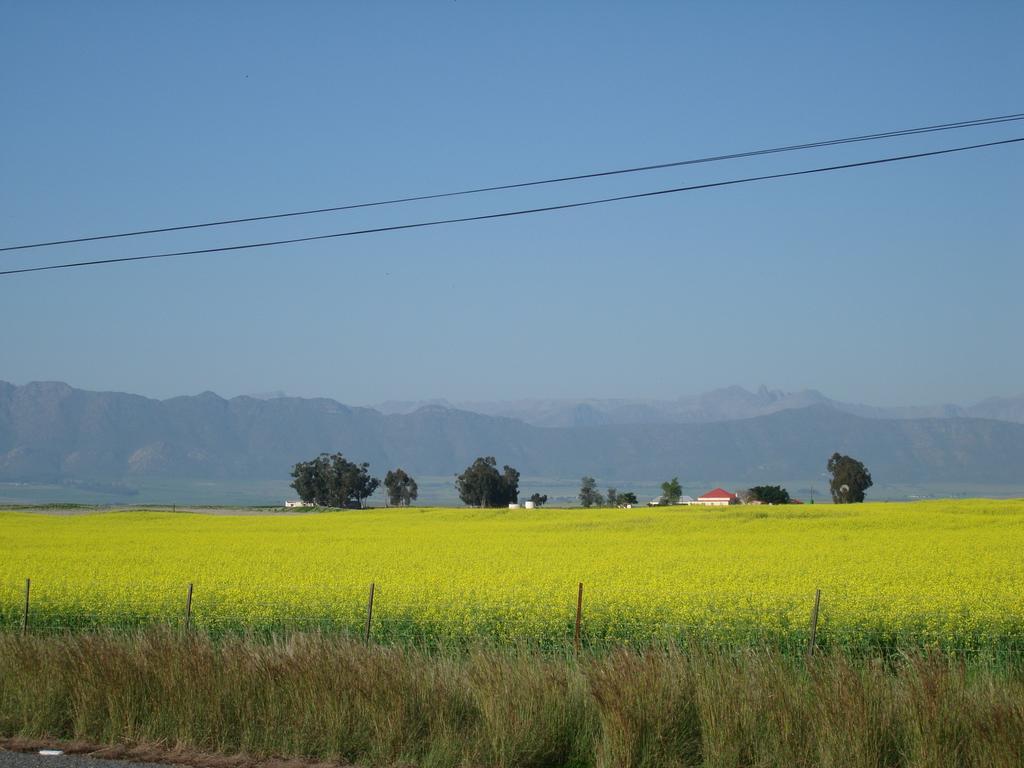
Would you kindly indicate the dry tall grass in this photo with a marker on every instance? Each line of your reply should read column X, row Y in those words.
column 333, row 699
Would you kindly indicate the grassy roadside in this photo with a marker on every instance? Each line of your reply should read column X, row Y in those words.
column 327, row 698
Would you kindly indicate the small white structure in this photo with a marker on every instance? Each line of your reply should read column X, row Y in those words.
column 528, row 505
column 296, row 503
column 513, row 506
column 660, row 501
column 718, row 498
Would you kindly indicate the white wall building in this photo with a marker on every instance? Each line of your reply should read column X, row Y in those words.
column 718, row 498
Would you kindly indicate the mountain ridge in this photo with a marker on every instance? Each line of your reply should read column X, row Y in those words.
column 50, row 432
column 723, row 404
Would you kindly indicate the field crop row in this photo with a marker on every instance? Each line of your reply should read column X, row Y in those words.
column 946, row 574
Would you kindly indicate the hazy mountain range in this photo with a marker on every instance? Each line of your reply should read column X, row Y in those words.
column 724, row 404
column 51, row 432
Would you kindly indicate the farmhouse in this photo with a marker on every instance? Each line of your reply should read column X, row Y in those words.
column 296, row 503
column 718, row 498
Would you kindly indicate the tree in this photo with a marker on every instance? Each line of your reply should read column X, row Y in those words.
column 331, row 480
column 768, row 494
column 357, row 483
column 850, row 478
column 401, row 487
column 481, row 485
column 539, row 500
column 612, row 497
column 510, row 482
column 589, row 496
column 671, row 491
column 310, row 480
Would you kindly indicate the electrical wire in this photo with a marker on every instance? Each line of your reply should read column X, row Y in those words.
column 508, row 214
column 978, row 122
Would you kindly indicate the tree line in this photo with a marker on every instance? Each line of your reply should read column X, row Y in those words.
column 589, row 496
column 331, row 480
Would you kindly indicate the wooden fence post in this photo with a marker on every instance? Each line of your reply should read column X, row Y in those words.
column 579, row 617
column 24, row 615
column 814, row 623
column 369, row 613
column 188, row 608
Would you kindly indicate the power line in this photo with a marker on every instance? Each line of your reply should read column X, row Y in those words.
column 508, row 214
column 978, row 122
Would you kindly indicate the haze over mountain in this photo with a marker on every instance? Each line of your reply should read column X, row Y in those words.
column 723, row 404
column 51, row 432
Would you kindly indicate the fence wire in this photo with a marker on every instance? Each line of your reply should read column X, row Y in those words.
column 433, row 620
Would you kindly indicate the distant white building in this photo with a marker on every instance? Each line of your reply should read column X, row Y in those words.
column 660, row 501
column 718, row 498
column 296, row 503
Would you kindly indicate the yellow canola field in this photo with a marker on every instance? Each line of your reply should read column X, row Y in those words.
column 949, row 573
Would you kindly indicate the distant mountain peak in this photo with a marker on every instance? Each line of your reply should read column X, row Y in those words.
column 55, row 387
column 432, row 408
column 277, row 394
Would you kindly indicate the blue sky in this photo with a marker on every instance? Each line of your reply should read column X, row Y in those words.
column 889, row 285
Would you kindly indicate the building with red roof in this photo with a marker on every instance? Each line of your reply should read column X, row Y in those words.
column 718, row 498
